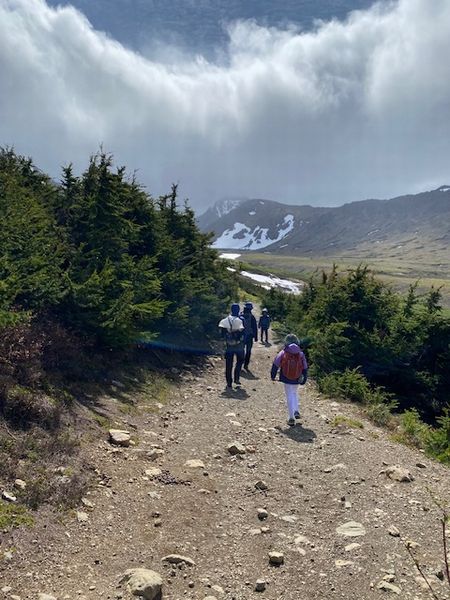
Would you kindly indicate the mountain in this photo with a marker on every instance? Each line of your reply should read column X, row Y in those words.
column 413, row 220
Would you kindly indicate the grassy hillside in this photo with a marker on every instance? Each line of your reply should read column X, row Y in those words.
column 401, row 268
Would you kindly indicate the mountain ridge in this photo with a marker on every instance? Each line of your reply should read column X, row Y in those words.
column 255, row 224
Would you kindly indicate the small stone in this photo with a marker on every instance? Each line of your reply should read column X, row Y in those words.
column 194, row 463
column 399, row 474
column 8, row 497
column 82, row 517
column 421, row 465
column 153, row 472
column 46, row 597
column 389, row 577
column 175, row 559
column 20, row 484
column 87, row 503
column 119, row 437
column 351, row 547
column 289, row 518
column 276, row 558
column 218, row 589
column 301, row 539
column 144, row 583
column 262, row 514
column 343, row 563
column 351, row 529
column 394, row 531
column 261, row 485
column 389, row 587
column 236, row 448
column 155, row 453
column 6, row 589
column 411, row 544
column 260, row 585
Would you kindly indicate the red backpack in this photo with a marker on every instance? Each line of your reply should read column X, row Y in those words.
column 291, row 365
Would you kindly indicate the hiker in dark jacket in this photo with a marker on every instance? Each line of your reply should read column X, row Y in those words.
column 250, row 332
column 264, row 324
column 293, row 372
column 232, row 330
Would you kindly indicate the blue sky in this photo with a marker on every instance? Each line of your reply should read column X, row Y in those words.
column 276, row 106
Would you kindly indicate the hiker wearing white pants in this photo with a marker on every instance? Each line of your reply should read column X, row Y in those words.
column 293, row 372
column 291, row 391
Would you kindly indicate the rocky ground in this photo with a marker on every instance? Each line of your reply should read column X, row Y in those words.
column 223, row 481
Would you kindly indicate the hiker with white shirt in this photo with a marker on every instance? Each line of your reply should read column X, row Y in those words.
column 232, row 330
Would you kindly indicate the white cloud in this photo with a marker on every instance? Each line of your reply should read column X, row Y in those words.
column 351, row 110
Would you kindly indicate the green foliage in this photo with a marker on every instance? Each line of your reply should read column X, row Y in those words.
column 413, row 431
column 13, row 515
column 369, row 345
column 342, row 420
column 103, row 257
column 438, row 440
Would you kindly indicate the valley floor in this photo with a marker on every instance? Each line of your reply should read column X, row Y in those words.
column 319, row 476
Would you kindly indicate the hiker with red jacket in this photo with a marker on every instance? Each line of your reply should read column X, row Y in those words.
column 293, row 372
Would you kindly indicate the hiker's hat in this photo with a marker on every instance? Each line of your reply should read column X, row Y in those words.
column 248, row 305
column 291, row 338
column 264, row 310
column 235, row 308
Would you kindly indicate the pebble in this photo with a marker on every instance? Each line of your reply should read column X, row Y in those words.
column 8, row 497
column 262, row 514
column 175, row 559
column 389, row 587
column 194, row 463
column 260, row 585
column 399, row 474
column 236, row 448
column 276, row 558
column 261, row 485
column 394, row 531
column 351, row 529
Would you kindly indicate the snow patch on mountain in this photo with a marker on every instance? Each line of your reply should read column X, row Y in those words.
column 241, row 236
column 224, row 207
column 271, row 281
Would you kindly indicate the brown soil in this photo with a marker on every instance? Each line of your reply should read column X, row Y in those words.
column 318, row 478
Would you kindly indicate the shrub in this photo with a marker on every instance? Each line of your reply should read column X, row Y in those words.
column 438, row 439
column 413, row 431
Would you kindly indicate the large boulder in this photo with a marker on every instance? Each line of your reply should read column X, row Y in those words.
column 143, row 583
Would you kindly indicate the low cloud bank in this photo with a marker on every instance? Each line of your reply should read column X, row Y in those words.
column 351, row 110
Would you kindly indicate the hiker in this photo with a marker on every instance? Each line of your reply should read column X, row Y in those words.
column 264, row 324
column 250, row 332
column 232, row 330
column 293, row 372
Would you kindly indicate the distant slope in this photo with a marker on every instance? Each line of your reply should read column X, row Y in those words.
column 256, row 224
column 418, row 219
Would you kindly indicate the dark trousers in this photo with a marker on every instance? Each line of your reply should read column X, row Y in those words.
column 265, row 333
column 248, row 344
column 229, row 359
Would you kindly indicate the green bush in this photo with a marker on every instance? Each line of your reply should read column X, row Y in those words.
column 438, row 439
column 413, row 431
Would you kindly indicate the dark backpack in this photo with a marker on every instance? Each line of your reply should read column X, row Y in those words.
column 233, row 338
column 291, row 365
column 248, row 329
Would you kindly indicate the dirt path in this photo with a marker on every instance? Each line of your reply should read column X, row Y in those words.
column 318, row 476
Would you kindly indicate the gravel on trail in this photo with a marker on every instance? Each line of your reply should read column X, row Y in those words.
column 222, row 499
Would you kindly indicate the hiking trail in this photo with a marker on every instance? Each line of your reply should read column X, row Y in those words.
column 280, row 489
